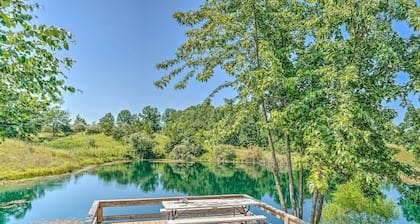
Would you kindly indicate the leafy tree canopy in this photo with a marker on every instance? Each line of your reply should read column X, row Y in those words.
column 31, row 76
column 151, row 116
column 124, row 117
column 107, row 123
column 349, row 205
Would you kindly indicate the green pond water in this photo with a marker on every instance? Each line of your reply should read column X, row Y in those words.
column 70, row 197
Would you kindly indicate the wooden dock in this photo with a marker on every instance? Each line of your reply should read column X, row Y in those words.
column 233, row 208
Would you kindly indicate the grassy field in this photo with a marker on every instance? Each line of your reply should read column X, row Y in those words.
column 406, row 157
column 20, row 160
column 91, row 149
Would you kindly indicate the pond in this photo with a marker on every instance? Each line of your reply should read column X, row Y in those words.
column 70, row 197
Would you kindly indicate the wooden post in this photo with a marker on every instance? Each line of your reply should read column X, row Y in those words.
column 100, row 214
column 286, row 219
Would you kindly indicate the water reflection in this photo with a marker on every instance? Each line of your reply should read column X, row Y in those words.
column 147, row 179
column 17, row 202
column 410, row 203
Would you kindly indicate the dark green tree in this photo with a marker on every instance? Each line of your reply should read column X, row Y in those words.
column 79, row 124
column 57, row 120
column 151, row 116
column 142, row 144
column 107, row 124
column 124, row 118
column 190, row 125
column 166, row 115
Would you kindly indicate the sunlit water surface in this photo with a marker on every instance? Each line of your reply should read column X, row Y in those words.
column 71, row 197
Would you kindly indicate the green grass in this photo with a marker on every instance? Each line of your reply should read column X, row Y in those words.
column 91, row 149
column 20, row 160
column 404, row 156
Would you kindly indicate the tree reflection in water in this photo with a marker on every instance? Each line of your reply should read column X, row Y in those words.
column 185, row 178
column 18, row 201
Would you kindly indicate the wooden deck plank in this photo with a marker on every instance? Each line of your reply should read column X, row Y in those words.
column 218, row 219
column 145, row 222
column 165, row 222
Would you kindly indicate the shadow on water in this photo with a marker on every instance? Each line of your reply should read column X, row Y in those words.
column 149, row 179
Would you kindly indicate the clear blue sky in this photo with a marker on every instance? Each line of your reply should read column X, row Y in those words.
column 118, row 46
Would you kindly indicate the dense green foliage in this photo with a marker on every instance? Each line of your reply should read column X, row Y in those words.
column 79, row 124
column 320, row 72
column 349, row 205
column 31, row 75
column 205, row 126
column 107, row 123
column 224, row 152
column 56, row 120
column 150, row 116
column 190, row 125
column 142, row 145
column 409, row 135
column 185, row 151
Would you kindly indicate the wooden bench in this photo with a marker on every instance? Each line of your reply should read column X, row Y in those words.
column 218, row 219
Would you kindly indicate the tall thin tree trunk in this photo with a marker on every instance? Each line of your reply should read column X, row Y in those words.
column 313, row 209
column 290, row 172
column 54, row 130
column 319, row 208
column 275, row 164
column 300, row 199
column 275, row 168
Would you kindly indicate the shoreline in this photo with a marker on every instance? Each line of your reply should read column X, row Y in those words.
column 30, row 180
column 26, row 181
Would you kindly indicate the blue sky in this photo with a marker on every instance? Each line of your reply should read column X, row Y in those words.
column 118, row 44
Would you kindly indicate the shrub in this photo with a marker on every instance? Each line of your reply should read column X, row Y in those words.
column 224, row 152
column 183, row 151
column 79, row 127
column 93, row 129
column 92, row 142
column 142, row 144
column 253, row 155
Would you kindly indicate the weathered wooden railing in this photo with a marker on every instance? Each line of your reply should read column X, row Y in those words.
column 96, row 214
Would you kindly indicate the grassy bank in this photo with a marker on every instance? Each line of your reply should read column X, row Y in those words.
column 404, row 156
column 20, row 160
column 90, row 149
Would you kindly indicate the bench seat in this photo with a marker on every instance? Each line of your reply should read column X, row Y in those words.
column 218, row 219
